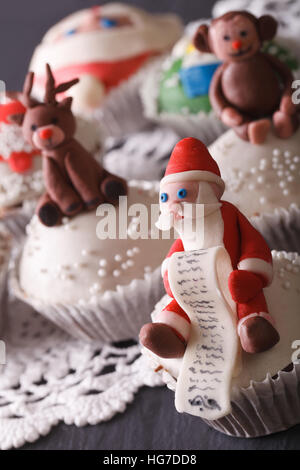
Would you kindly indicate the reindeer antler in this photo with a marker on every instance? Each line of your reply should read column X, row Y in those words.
column 49, row 87
column 28, row 101
column 51, row 91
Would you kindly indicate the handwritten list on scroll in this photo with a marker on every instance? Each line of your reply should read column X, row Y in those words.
column 198, row 280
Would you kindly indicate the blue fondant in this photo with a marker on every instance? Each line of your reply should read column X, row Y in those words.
column 108, row 23
column 196, row 80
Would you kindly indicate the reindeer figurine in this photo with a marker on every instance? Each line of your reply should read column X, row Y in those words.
column 74, row 180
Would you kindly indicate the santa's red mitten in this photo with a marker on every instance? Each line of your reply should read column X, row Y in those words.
column 244, row 285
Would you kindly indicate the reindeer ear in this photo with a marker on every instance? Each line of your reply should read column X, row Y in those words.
column 16, row 118
column 267, row 27
column 66, row 103
column 201, row 39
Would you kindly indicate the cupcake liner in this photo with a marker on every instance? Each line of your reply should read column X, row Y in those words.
column 281, row 229
column 264, row 407
column 203, row 126
column 16, row 219
column 115, row 316
column 5, row 242
column 122, row 111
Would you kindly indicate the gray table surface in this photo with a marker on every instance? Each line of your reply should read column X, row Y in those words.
column 151, row 421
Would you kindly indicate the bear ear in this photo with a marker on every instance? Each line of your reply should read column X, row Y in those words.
column 200, row 40
column 267, row 26
column 66, row 103
column 16, row 118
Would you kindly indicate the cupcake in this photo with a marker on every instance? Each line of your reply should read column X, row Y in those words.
column 175, row 92
column 263, row 181
column 264, row 395
column 102, row 289
column 107, row 46
column 219, row 336
column 21, row 180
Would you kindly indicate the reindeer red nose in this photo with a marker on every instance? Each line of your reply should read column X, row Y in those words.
column 236, row 45
column 45, row 133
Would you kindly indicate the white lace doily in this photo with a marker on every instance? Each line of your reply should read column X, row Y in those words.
column 50, row 377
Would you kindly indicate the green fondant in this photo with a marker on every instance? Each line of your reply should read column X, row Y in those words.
column 172, row 99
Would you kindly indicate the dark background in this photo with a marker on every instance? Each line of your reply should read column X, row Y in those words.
column 151, row 421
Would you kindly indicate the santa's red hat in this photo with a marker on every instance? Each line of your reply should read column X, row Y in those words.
column 191, row 161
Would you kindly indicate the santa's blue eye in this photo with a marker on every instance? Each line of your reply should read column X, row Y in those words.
column 181, row 193
column 107, row 23
column 163, row 197
column 70, row 32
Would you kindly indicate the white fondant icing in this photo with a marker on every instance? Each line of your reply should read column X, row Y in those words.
column 52, row 248
column 259, row 178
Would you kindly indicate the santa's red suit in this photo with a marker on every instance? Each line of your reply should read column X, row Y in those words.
column 249, row 253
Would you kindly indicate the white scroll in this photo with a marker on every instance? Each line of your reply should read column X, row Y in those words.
column 199, row 283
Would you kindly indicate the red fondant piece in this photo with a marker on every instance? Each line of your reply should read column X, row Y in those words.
column 110, row 74
column 20, row 162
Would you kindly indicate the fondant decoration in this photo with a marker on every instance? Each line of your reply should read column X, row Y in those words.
column 197, row 71
column 199, row 281
column 16, row 153
column 185, row 78
column 250, row 86
column 265, row 379
column 192, row 168
column 103, row 46
column 21, row 175
column 74, row 181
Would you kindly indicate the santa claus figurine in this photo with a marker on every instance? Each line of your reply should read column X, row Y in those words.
column 192, row 181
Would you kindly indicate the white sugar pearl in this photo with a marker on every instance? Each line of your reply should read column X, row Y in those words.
column 129, row 253
column 147, row 269
column 116, row 273
column 296, row 159
column 276, row 152
column 293, row 167
column 101, row 272
column 124, row 266
column 103, row 263
column 251, row 186
column 130, row 263
column 84, row 252
column 287, row 154
column 290, row 178
column 287, row 284
column 262, row 200
column 118, row 257
column 136, row 249
column 279, row 173
column 286, row 192
column 282, row 184
column 261, row 179
column 253, row 170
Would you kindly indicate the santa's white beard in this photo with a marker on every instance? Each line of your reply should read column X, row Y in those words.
column 191, row 216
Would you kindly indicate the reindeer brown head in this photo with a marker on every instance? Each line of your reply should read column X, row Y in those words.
column 49, row 124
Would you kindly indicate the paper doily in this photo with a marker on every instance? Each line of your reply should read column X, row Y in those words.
column 50, row 377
